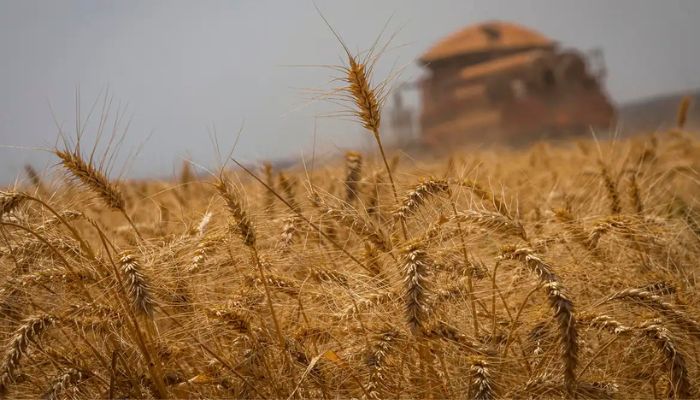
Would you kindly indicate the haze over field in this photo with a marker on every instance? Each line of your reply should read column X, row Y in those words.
column 185, row 67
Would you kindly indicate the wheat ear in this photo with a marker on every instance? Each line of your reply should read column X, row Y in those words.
column 608, row 323
column 247, row 232
column 675, row 360
column 655, row 302
column 376, row 362
column 34, row 177
column 288, row 186
column 682, row 114
column 92, row 178
column 269, row 200
column 635, row 195
column 233, row 204
column 10, row 201
column 69, row 378
column 492, row 221
column 95, row 180
column 481, row 380
column 28, row 332
column 415, row 270
column 137, row 286
column 610, row 189
column 562, row 306
column 417, row 197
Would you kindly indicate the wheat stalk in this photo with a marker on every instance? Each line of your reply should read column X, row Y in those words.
column 363, row 228
column 486, row 195
column 353, row 175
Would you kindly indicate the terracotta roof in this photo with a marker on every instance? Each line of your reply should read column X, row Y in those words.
column 486, row 37
column 500, row 65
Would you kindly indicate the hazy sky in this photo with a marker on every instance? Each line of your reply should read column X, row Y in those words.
column 185, row 67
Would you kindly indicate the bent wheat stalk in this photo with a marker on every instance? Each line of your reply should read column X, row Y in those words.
column 561, row 305
column 681, row 387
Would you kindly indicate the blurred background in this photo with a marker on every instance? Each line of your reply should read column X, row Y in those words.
column 182, row 73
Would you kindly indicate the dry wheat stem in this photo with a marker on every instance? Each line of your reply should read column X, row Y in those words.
column 353, row 166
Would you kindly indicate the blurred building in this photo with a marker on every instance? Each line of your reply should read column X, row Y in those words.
column 498, row 81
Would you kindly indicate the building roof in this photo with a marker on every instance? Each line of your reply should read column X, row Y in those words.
column 486, row 37
column 500, row 65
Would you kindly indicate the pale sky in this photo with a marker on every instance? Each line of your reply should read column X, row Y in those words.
column 187, row 67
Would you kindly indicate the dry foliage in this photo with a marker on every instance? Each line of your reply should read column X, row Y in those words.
column 541, row 272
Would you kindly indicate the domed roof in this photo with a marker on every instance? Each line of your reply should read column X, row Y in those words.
column 485, row 37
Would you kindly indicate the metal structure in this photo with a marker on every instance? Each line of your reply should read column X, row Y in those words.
column 498, row 81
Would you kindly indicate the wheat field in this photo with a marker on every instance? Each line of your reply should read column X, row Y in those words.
column 554, row 271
